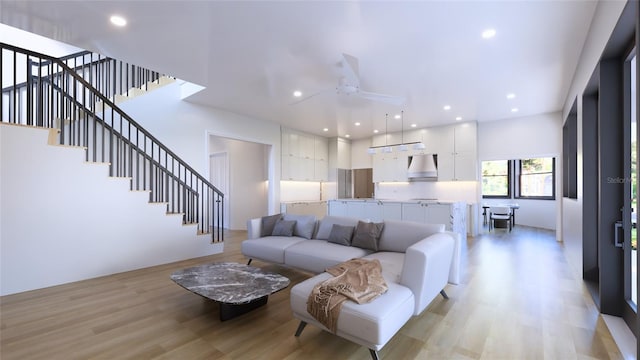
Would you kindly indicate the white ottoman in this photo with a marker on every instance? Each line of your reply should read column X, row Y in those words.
column 371, row 325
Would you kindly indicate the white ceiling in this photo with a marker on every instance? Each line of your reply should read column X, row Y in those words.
column 252, row 55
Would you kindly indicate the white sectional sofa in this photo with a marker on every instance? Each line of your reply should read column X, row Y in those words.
column 418, row 260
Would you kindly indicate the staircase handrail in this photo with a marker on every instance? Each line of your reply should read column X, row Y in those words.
column 117, row 109
column 129, row 142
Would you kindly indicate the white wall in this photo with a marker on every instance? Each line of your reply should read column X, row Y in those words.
column 604, row 21
column 301, row 190
column 531, row 136
column 185, row 127
column 247, row 166
column 64, row 220
column 37, row 43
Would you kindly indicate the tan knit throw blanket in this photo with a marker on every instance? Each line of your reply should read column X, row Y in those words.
column 357, row 279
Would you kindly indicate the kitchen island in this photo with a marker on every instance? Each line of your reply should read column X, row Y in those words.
column 453, row 214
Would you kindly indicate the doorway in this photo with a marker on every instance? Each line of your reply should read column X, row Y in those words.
column 363, row 183
column 219, row 177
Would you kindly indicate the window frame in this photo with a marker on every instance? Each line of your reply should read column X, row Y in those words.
column 509, row 178
column 518, row 176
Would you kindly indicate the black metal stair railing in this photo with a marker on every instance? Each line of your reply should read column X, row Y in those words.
column 109, row 76
column 38, row 90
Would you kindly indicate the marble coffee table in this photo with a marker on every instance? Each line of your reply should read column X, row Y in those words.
column 238, row 288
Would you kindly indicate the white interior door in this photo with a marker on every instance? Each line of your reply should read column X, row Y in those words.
column 219, row 177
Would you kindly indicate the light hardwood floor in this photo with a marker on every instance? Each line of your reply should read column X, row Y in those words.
column 519, row 300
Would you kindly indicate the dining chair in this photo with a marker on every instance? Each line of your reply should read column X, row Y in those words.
column 500, row 213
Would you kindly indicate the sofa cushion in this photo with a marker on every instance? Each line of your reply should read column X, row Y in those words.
column 341, row 234
column 399, row 235
column 270, row 248
column 367, row 235
column 284, row 228
column 305, row 224
column 268, row 223
column 391, row 262
column 326, row 224
column 317, row 255
column 372, row 324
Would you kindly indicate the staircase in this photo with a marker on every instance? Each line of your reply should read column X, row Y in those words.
column 77, row 96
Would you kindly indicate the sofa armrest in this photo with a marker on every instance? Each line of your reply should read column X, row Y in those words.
column 254, row 228
column 456, row 262
column 426, row 268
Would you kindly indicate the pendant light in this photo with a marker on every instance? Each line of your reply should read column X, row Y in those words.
column 387, row 148
column 403, row 146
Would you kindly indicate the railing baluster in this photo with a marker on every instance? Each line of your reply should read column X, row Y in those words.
column 55, row 95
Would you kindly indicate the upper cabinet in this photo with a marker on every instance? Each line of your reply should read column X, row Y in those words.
column 304, row 156
column 456, row 146
column 457, row 153
column 389, row 167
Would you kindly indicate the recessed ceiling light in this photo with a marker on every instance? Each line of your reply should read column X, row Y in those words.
column 514, row 110
column 511, row 96
column 458, row 118
column 357, row 124
column 297, row 93
column 447, row 107
column 397, row 116
column 118, row 20
column 413, row 125
column 325, row 129
column 347, row 136
column 375, row 131
column 488, row 33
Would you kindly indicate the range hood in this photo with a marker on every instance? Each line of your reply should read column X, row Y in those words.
column 423, row 167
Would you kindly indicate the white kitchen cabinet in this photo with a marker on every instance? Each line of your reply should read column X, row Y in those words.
column 306, row 146
column 430, row 213
column 392, row 211
column 415, row 212
column 338, row 208
column 378, row 211
column 457, row 153
column 304, row 156
column 466, row 167
column 452, row 215
column 373, row 211
column 321, row 159
column 321, row 170
column 285, row 167
column 390, row 167
column 465, row 137
column 355, row 209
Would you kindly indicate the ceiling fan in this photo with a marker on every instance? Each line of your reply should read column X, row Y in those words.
column 349, row 85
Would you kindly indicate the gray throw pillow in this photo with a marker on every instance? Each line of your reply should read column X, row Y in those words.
column 284, row 228
column 341, row 234
column 268, row 223
column 305, row 224
column 367, row 235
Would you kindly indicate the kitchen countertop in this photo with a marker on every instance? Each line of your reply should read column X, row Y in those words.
column 415, row 201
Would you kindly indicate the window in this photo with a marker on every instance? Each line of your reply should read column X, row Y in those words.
column 496, row 177
column 536, row 178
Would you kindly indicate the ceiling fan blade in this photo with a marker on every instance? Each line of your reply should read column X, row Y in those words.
column 389, row 99
column 312, row 95
column 351, row 70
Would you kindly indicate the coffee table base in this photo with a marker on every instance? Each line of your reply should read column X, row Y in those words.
column 230, row 311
